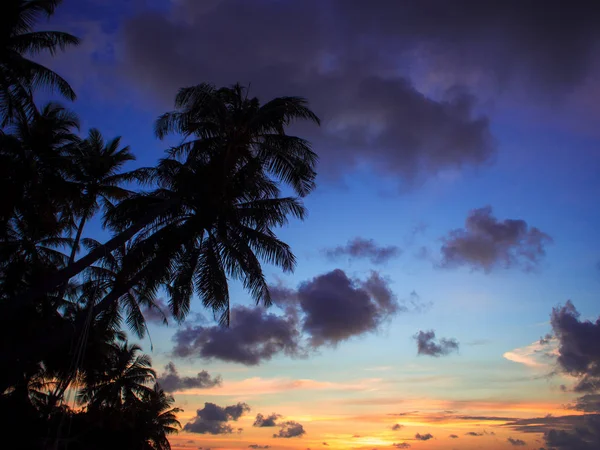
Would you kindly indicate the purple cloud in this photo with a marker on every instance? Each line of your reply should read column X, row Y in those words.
column 427, row 345
column 290, row 429
column 213, row 419
column 159, row 313
column 579, row 352
column 486, row 243
column 335, row 308
column 423, row 437
column 254, row 336
column 171, row 381
column 266, row 421
column 361, row 248
column 372, row 113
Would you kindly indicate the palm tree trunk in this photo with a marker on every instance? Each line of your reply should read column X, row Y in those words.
column 75, row 246
column 64, row 275
column 74, row 249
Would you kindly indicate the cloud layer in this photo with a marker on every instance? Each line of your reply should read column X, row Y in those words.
column 371, row 111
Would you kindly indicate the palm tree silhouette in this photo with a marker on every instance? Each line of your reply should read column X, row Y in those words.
column 217, row 201
column 96, row 168
column 19, row 75
column 156, row 418
column 38, row 198
column 123, row 381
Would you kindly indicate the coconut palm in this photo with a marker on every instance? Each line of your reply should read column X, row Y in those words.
column 36, row 165
column 217, row 202
column 156, row 419
column 19, row 75
column 111, row 275
column 225, row 124
column 123, row 381
column 97, row 170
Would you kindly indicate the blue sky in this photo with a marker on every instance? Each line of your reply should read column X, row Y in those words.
column 544, row 170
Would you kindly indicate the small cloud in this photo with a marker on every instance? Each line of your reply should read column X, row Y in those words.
column 256, row 446
column 516, row 442
column 397, row 427
column 268, row 421
column 171, row 381
column 423, row 437
column 214, row 419
column 486, row 243
column 473, row 433
column 453, row 436
column 361, row 248
column 334, row 308
column 426, row 344
column 401, row 445
column 535, row 355
column 253, row 337
column 290, row 429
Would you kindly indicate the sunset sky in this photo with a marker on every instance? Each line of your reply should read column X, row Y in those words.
column 457, row 205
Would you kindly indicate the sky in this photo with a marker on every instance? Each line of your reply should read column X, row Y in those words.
column 446, row 291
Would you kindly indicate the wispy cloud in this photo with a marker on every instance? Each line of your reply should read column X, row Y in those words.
column 540, row 354
column 262, row 386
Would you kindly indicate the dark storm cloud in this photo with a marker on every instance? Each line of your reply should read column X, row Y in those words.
column 171, row 381
column 290, row 429
column 427, row 345
column 579, row 352
column 361, row 248
column 508, row 39
column 335, row 308
column 214, row 419
column 371, row 112
column 268, row 421
column 516, row 442
column 254, row 336
column 323, row 311
column 589, row 403
column 563, row 432
column 584, row 437
column 487, row 243
column 546, row 339
column 423, row 437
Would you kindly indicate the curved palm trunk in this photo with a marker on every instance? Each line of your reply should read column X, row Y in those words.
column 75, row 246
column 64, row 275
column 74, row 249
